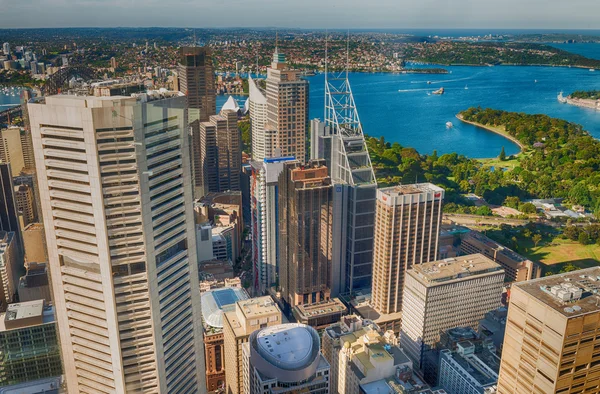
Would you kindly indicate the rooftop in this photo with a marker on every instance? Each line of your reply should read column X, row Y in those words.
column 333, row 305
column 214, row 301
column 571, row 294
column 416, row 188
column 25, row 314
column 483, row 365
column 441, row 272
column 289, row 346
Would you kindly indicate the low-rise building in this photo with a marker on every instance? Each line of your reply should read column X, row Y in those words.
column 320, row 314
column 214, row 303
column 469, row 370
column 516, row 267
column 34, row 284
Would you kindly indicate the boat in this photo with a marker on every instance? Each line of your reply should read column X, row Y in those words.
column 592, row 69
column 561, row 99
column 439, row 91
column 428, row 82
column 535, row 81
column 466, row 87
column 449, row 125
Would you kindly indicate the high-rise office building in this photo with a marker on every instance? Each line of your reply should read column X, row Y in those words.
column 263, row 136
column 11, row 149
column 6, row 48
column 551, row 342
column 407, row 225
column 25, row 205
column 305, row 241
column 10, row 268
column 248, row 316
column 287, row 108
column 264, row 190
column 443, row 294
column 196, row 79
column 9, row 213
column 285, row 359
column 220, row 153
column 29, row 348
column 114, row 178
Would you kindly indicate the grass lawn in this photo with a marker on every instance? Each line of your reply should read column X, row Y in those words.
column 565, row 250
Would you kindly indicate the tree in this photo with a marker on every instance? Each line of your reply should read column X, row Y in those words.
column 580, row 194
column 583, row 238
column 512, row 202
column 536, row 239
column 502, row 156
column 528, row 208
column 484, row 211
column 572, row 233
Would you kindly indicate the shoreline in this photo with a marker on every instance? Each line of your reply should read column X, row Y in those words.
column 494, row 130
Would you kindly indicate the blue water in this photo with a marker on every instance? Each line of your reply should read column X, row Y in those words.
column 398, row 107
column 7, row 100
column 590, row 50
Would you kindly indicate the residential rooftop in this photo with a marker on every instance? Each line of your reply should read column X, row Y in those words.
column 571, row 294
column 26, row 314
column 441, row 272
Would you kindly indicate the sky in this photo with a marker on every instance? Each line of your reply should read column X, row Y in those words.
column 398, row 14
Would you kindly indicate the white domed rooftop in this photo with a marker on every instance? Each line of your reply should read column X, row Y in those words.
column 290, row 346
column 213, row 302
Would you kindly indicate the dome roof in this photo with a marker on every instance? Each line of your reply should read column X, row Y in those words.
column 289, row 346
column 213, row 302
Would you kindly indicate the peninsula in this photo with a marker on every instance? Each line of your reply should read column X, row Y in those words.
column 587, row 99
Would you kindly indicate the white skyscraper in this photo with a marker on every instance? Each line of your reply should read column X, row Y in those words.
column 263, row 136
column 116, row 192
column 264, row 190
column 6, row 48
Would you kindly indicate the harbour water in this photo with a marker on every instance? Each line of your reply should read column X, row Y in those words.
column 401, row 108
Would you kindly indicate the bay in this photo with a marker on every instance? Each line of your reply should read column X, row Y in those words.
column 401, row 108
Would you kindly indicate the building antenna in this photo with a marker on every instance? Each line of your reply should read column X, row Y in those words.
column 195, row 41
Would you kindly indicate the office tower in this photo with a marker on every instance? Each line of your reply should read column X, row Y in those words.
column 551, row 341
column 10, row 268
column 115, row 186
column 287, row 109
column 249, row 316
column 331, row 344
column 6, row 48
column 263, row 136
column 305, row 205
column 471, row 369
column 516, row 267
column 264, row 191
column 11, row 149
column 220, row 153
column 285, row 358
column 444, row 294
column 9, row 216
column 368, row 356
column 214, row 303
column 29, row 348
column 407, row 225
column 25, row 205
column 196, row 79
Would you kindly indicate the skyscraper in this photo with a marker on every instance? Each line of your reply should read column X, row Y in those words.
column 263, row 135
column 305, row 242
column 444, row 294
column 340, row 141
column 25, row 204
column 285, row 358
column 287, row 108
column 9, row 213
column 407, row 225
column 196, row 78
column 6, row 48
column 551, row 342
column 114, row 179
column 220, row 153
column 11, row 149
column 264, row 190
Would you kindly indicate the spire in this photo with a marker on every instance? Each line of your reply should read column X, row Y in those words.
column 277, row 57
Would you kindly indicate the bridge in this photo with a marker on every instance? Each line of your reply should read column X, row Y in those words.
column 8, row 114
